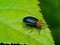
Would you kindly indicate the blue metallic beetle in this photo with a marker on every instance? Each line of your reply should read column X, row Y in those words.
column 32, row 21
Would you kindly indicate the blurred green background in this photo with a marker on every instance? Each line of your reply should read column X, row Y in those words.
column 51, row 13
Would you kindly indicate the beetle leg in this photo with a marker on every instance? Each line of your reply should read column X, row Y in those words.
column 39, row 32
column 31, row 29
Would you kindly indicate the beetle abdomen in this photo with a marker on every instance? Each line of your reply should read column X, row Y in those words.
column 30, row 20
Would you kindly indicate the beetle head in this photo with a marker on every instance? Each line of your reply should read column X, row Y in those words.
column 38, row 24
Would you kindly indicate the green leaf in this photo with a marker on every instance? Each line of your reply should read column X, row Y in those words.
column 12, row 28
